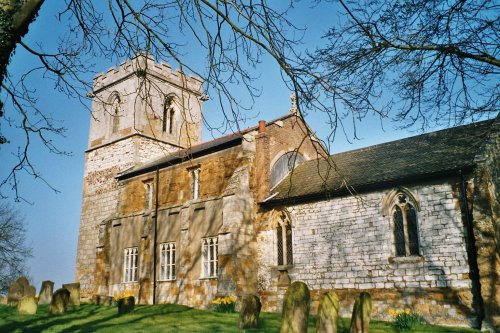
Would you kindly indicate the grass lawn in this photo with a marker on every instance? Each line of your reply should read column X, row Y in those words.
column 159, row 318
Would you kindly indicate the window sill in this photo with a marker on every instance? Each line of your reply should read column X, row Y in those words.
column 283, row 267
column 167, row 280
column 208, row 278
column 406, row 260
column 131, row 282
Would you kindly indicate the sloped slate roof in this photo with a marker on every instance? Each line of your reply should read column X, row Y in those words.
column 182, row 155
column 423, row 156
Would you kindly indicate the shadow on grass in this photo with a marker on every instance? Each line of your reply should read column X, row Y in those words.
column 161, row 318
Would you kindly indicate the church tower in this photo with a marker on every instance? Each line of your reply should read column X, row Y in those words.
column 141, row 111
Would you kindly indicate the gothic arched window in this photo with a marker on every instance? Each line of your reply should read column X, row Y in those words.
column 115, row 114
column 168, row 115
column 404, row 220
column 284, row 242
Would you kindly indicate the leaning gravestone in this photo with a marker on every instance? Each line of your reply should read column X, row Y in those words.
column 250, row 311
column 27, row 305
column 328, row 313
column 296, row 307
column 60, row 301
column 74, row 290
column 45, row 296
column 19, row 289
column 361, row 312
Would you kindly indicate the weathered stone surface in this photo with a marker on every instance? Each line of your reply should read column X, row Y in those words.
column 60, row 301
column 46, row 291
column 3, row 300
column 19, row 289
column 126, row 305
column 361, row 312
column 485, row 210
column 27, row 305
column 74, row 290
column 250, row 311
column 328, row 313
column 145, row 292
column 296, row 305
column 102, row 300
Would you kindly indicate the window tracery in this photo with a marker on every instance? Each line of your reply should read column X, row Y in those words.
column 405, row 227
column 284, row 241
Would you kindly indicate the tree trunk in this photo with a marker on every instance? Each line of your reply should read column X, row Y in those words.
column 15, row 18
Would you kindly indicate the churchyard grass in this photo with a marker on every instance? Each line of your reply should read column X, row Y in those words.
column 162, row 318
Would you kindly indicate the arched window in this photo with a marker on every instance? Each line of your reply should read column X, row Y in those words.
column 284, row 165
column 404, row 221
column 284, row 241
column 168, row 115
column 115, row 114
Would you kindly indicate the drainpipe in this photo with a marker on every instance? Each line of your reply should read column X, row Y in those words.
column 472, row 254
column 155, row 229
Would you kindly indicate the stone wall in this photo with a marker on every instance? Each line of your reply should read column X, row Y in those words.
column 346, row 244
column 100, row 191
column 223, row 209
column 486, row 223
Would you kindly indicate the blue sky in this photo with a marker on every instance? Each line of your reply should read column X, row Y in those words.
column 52, row 220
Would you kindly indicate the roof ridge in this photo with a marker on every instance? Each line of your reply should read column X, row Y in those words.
column 414, row 137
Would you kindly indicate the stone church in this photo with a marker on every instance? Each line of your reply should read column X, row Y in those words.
column 173, row 219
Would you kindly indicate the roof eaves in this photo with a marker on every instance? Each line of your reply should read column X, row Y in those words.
column 362, row 188
column 183, row 156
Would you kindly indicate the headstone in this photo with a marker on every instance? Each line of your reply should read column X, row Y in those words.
column 296, row 305
column 60, row 301
column 361, row 312
column 3, row 300
column 102, row 300
column 19, row 289
column 74, row 290
column 328, row 313
column 126, row 304
column 250, row 311
column 27, row 305
column 45, row 296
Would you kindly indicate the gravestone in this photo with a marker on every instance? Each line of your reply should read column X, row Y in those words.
column 296, row 305
column 328, row 313
column 102, row 300
column 126, row 304
column 27, row 305
column 74, row 291
column 45, row 296
column 250, row 311
column 19, row 289
column 361, row 312
column 60, row 301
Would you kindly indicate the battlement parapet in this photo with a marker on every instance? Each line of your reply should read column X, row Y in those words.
column 143, row 64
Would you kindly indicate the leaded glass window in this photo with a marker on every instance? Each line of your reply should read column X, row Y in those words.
column 284, row 241
column 209, row 257
column 167, row 261
column 130, row 264
column 404, row 217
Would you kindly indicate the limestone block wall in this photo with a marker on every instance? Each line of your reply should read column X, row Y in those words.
column 346, row 244
column 142, row 87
